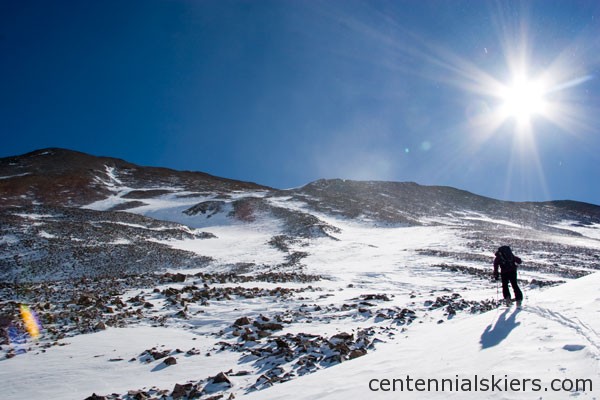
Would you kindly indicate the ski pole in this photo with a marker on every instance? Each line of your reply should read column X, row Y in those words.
column 497, row 290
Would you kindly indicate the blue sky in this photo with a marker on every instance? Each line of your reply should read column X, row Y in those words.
column 286, row 92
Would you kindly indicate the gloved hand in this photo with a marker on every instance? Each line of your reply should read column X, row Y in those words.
column 496, row 277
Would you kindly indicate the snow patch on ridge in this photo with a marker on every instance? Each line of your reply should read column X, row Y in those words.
column 591, row 231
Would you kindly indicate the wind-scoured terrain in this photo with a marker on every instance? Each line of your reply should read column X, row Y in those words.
column 154, row 283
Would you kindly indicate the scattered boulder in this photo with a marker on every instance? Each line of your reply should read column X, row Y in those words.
column 170, row 361
column 100, row 326
column 221, row 378
column 242, row 321
column 342, row 337
column 156, row 354
column 268, row 326
column 180, row 391
column 357, row 353
column 94, row 396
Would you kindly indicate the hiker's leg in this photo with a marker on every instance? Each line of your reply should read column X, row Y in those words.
column 515, row 286
column 505, row 290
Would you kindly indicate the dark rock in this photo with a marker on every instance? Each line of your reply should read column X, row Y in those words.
column 241, row 373
column 100, row 326
column 383, row 297
column 157, row 355
column 141, row 396
column 138, row 394
column 221, row 378
column 357, row 353
column 242, row 321
column 170, row 361
column 215, row 397
column 180, row 391
column 342, row 336
column 270, row 326
column 94, row 396
column 171, row 292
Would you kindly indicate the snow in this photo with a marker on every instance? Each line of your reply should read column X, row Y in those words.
column 590, row 231
column 83, row 366
column 554, row 336
column 46, row 235
column 34, row 215
column 170, row 207
column 108, row 203
column 139, row 226
column 121, row 241
column 113, row 182
column 483, row 218
column 238, row 243
column 15, row 176
column 9, row 239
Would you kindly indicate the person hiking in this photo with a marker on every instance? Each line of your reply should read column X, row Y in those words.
column 507, row 261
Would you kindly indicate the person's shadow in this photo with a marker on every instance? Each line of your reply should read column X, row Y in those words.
column 493, row 335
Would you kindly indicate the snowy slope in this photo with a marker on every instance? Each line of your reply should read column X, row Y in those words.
column 304, row 293
column 561, row 337
column 555, row 336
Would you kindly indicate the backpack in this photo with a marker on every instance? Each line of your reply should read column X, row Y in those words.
column 506, row 258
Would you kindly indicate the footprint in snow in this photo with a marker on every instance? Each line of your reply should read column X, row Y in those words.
column 573, row 347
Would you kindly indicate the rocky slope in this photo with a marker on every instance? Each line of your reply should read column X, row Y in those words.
column 277, row 284
column 59, row 215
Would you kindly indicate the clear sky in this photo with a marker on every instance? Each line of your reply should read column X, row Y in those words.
column 498, row 98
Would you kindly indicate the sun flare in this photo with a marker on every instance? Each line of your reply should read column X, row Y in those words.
column 523, row 99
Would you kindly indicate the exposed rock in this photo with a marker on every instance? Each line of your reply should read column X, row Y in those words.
column 269, row 326
column 100, row 326
column 156, row 354
column 343, row 336
column 94, row 396
column 170, row 361
column 357, row 353
column 221, row 378
column 180, row 391
column 242, row 321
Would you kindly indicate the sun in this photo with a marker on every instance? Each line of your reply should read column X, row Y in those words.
column 523, row 99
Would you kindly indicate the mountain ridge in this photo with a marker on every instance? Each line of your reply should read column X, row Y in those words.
column 56, row 201
column 78, row 172
column 63, row 154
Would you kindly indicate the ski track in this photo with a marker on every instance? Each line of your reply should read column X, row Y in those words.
column 582, row 329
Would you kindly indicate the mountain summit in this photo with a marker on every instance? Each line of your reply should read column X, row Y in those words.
column 61, row 177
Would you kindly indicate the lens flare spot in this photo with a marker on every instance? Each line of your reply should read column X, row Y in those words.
column 30, row 321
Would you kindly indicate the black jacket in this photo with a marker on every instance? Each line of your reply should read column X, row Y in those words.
column 505, row 268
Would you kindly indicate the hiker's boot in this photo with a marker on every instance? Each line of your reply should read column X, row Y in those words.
column 508, row 302
column 519, row 302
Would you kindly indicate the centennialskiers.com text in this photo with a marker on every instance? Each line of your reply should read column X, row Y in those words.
column 478, row 383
